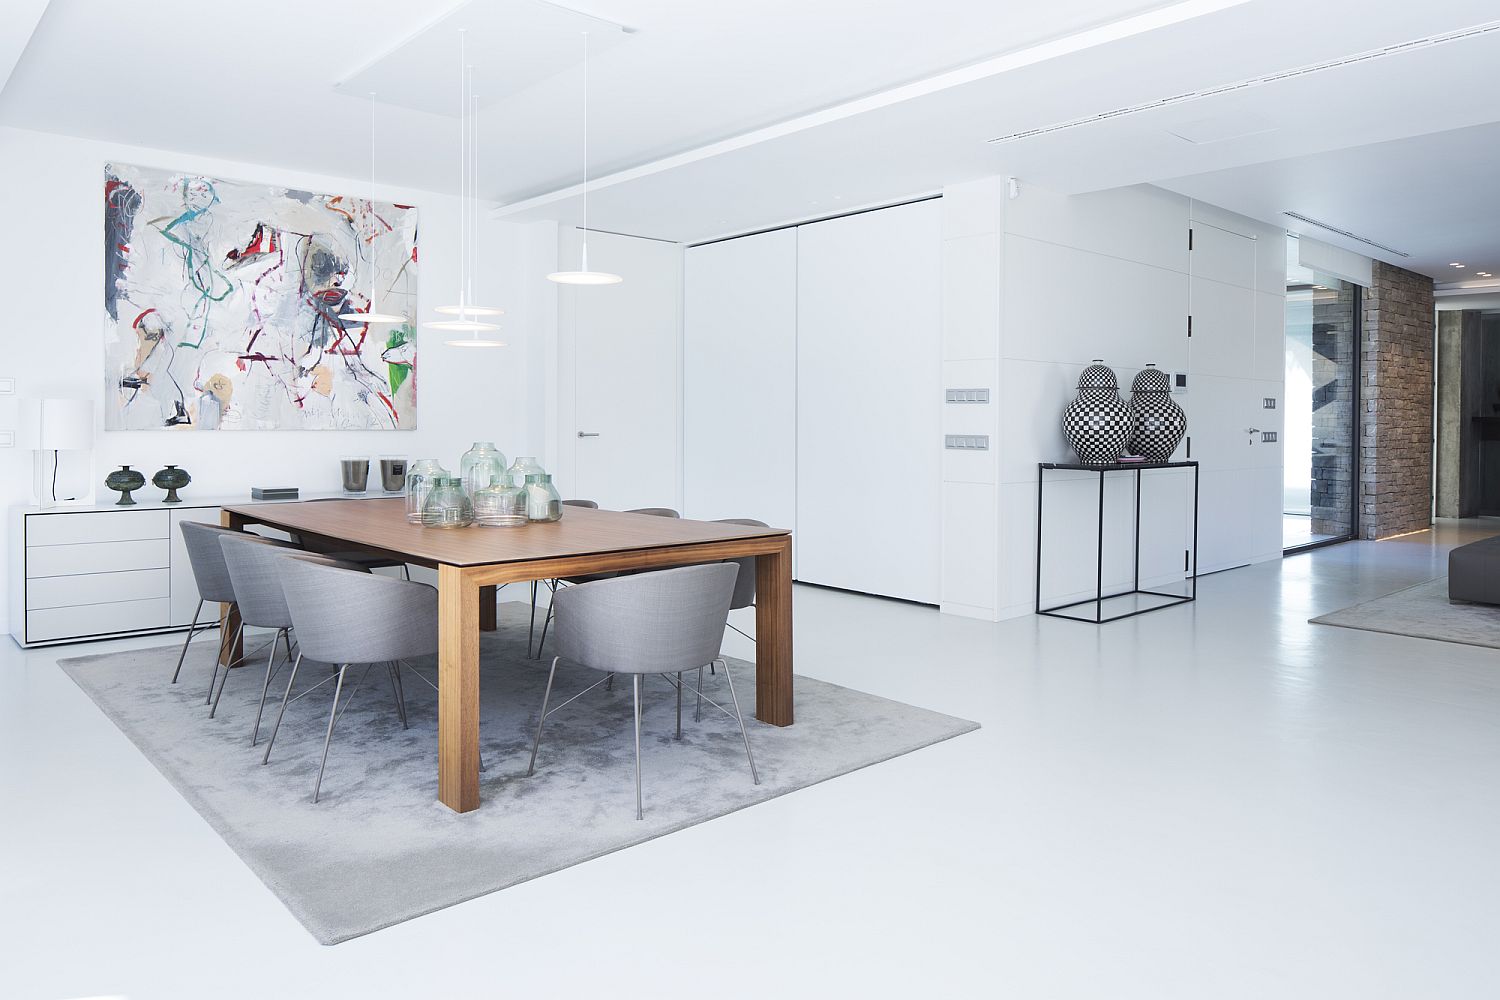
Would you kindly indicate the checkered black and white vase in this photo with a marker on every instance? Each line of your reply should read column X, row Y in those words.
column 1157, row 422
column 1097, row 422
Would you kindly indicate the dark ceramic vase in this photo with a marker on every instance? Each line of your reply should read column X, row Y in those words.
column 1097, row 422
column 125, row 481
column 171, row 479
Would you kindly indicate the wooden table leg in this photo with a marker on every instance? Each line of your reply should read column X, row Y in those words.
column 487, row 615
column 773, row 636
column 458, row 689
column 231, row 643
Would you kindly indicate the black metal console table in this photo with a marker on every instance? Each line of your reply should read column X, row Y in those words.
column 1100, row 596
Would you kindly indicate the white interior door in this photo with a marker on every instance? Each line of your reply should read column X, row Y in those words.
column 626, row 386
column 869, row 402
column 740, row 379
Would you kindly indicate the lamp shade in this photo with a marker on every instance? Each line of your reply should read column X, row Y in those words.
column 57, row 424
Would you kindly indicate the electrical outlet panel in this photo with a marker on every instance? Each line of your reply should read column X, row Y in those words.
column 1269, row 403
column 1179, row 381
column 967, row 442
column 968, row 395
column 7, row 439
column 1267, row 437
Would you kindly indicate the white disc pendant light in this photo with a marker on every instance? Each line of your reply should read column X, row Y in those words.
column 583, row 276
column 371, row 317
column 466, row 313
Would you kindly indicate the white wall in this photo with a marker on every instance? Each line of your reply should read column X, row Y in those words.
column 1038, row 286
column 52, row 257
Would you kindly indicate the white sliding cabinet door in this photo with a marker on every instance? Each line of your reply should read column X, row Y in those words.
column 740, row 379
column 622, row 345
column 869, row 402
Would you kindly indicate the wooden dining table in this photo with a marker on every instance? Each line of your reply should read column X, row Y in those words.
column 471, row 563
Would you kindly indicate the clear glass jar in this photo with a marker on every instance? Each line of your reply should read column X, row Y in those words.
column 447, row 505
column 482, row 465
column 542, row 500
column 500, row 506
column 419, row 477
column 524, row 466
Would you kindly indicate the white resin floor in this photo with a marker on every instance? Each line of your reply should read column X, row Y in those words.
column 1215, row 801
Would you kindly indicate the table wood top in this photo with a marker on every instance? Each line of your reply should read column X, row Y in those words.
column 382, row 525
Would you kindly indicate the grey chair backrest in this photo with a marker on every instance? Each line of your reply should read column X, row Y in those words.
column 350, row 616
column 744, row 584
column 254, row 566
column 590, row 504
column 207, row 560
column 649, row 623
column 655, row 511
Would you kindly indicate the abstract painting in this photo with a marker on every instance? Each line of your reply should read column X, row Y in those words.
column 223, row 305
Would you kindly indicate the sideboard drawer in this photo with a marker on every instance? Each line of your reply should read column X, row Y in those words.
column 50, row 624
column 105, row 557
column 98, row 588
column 96, row 526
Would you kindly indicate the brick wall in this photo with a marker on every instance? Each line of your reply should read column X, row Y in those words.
column 1397, row 358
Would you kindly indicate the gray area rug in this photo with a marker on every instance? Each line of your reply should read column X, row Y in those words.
column 1423, row 612
column 378, row 848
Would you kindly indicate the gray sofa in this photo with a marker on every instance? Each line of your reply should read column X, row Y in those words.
column 1474, row 572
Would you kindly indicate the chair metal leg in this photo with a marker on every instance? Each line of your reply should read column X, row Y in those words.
column 541, row 647
column 191, row 629
column 609, row 683
column 225, row 680
column 277, row 728
column 390, row 672
column 270, row 669
column 333, row 716
column 698, row 705
column 679, row 704
column 225, row 642
column 639, row 812
column 729, row 678
column 531, row 632
column 542, row 719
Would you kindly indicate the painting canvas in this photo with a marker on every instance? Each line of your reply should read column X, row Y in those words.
column 223, row 305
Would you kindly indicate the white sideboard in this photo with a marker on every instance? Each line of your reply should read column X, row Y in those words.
column 104, row 571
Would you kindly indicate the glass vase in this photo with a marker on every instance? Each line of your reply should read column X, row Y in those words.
column 447, row 505
column 524, row 466
column 482, row 465
column 542, row 500
column 419, row 478
column 500, row 506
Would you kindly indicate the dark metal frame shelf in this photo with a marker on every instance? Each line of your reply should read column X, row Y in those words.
column 1056, row 611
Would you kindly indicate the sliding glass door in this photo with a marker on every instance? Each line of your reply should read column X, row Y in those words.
column 1322, row 407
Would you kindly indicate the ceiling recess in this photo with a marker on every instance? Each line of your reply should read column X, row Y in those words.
column 1415, row 44
column 1345, row 233
column 514, row 44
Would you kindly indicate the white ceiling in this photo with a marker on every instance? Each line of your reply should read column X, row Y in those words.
column 716, row 117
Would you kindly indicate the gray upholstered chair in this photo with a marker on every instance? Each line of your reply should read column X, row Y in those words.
column 346, row 617
column 255, row 568
column 211, row 575
column 664, row 622
column 257, row 593
column 553, row 585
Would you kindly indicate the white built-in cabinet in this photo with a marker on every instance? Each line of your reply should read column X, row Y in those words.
column 811, row 393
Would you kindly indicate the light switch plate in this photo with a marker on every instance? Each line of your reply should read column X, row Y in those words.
column 1269, row 402
column 7, row 387
column 968, row 395
column 1179, row 381
column 7, row 439
column 967, row 442
column 1267, row 437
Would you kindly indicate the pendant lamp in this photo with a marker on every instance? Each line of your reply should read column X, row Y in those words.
column 466, row 313
column 583, row 276
column 371, row 317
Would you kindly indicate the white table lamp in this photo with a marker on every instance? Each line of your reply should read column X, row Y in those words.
column 50, row 426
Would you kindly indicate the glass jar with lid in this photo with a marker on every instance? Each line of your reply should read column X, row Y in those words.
column 543, row 503
column 419, row 477
column 482, row 465
column 447, row 505
column 500, row 506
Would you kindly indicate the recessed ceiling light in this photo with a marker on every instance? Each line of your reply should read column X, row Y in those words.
column 1455, row 264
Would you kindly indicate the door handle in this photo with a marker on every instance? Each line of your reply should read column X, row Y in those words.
column 1252, row 430
column 587, row 434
